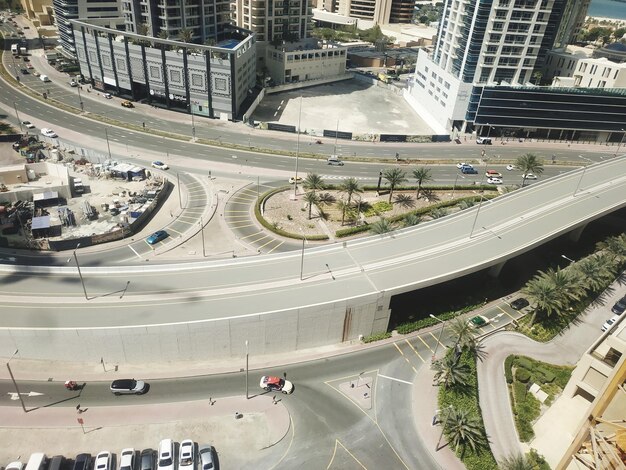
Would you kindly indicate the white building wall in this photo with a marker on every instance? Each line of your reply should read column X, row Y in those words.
column 586, row 71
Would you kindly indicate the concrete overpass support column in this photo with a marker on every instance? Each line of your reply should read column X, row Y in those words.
column 575, row 234
column 495, row 270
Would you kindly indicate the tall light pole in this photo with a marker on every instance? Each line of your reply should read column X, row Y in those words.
column 106, row 133
column 295, row 183
column 488, row 129
column 568, row 259
column 476, row 217
column 455, row 180
column 17, row 390
column 180, row 198
column 193, row 124
column 443, row 324
column 621, row 141
column 202, row 232
column 80, row 99
column 80, row 274
column 17, row 115
column 247, row 355
column 580, row 180
column 302, row 258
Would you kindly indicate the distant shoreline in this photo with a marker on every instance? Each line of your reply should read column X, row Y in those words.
column 611, row 20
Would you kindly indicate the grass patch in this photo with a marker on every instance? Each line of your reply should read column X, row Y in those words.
column 378, row 208
column 377, row 337
column 521, row 372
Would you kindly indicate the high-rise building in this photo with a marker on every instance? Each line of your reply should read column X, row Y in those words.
column 274, row 19
column 377, row 11
column 488, row 43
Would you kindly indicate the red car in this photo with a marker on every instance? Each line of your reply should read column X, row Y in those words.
column 276, row 384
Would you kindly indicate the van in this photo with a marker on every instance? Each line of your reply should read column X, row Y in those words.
column 37, row 461
column 44, row 78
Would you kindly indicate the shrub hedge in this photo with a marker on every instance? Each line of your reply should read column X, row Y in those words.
column 508, row 369
column 376, row 337
column 406, row 328
column 522, row 375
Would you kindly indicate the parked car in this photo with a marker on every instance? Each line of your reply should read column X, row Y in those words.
column 493, row 174
column 610, row 322
column 73, row 83
column 529, row 176
column 478, row 321
column 37, row 461
column 484, row 140
column 48, row 133
column 159, row 165
column 28, row 124
column 619, row 306
column 292, row 180
column 469, row 170
column 24, row 71
column 519, row 304
column 128, row 387
column 156, row 237
column 127, row 459
column 511, row 167
column 16, row 465
column 103, row 461
column 82, row 462
column 165, row 459
column 276, row 384
column 206, row 454
column 494, row 180
column 147, row 460
column 108, row 96
column 127, row 104
column 186, row 455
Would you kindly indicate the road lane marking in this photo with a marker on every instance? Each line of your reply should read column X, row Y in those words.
column 437, row 340
column 405, row 358
column 275, row 247
column 507, row 313
column 293, row 436
column 133, row 250
column 251, row 235
column 425, row 343
column 397, row 380
column 415, row 351
column 346, row 449
column 262, row 246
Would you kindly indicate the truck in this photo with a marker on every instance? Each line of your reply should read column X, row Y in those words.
column 14, row 49
column 23, row 50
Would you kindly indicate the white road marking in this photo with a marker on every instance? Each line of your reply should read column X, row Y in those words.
column 133, row 250
column 397, row 380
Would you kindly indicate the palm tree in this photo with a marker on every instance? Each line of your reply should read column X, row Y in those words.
column 394, row 177
column 449, row 371
column 422, row 175
column 411, row 220
column 464, row 333
column 405, row 200
column 346, row 209
column 464, row 429
column 313, row 182
column 185, row 35
column 594, row 272
column 381, row 226
column 529, row 163
column 552, row 291
column 350, row 187
column 615, row 247
column 326, row 199
column 311, row 199
column 516, row 462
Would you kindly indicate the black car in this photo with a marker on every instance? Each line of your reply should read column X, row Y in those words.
column 147, row 460
column 619, row 306
column 24, row 71
column 519, row 304
column 82, row 462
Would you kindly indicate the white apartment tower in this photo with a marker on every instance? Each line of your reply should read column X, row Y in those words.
column 488, row 42
column 274, row 20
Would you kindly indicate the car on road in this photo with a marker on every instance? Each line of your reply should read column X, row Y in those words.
column 293, row 179
column 529, row 176
column 619, row 306
column 494, row 180
column 128, row 387
column 127, row 459
column 159, row 165
column 519, row 304
column 334, row 160
column 276, row 384
column 469, row 170
column 493, row 174
column 30, row 67
column 48, row 133
column 186, row 455
column 103, row 461
column 462, row 164
column 610, row 322
column 510, row 167
column 156, row 237
column 165, row 459
column 108, row 96
column 478, row 321
column 127, row 104
column 73, row 83
column 147, row 460
column 484, row 140
column 206, row 454
column 24, row 71
column 28, row 124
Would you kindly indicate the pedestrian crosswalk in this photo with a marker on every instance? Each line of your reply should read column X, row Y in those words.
column 340, row 177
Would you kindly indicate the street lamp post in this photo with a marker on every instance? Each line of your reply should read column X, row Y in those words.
column 455, row 180
column 80, row 99
column 568, row 259
column 193, row 124
column 202, row 234
column 443, row 428
column 476, row 217
column 106, row 133
column 302, row 258
column 80, row 274
column 17, row 115
column 580, row 180
column 621, row 141
column 17, row 390
column 247, row 355
column 295, row 183
column 443, row 324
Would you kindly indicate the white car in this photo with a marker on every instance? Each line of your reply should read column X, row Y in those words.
column 73, row 83
column 165, row 459
column 28, row 124
column 292, row 180
column 511, row 167
column 127, row 459
column 48, row 132
column 610, row 322
column 494, row 180
column 463, row 164
column 493, row 174
column 103, row 461
column 160, row 165
column 108, row 96
column 17, row 465
column 186, row 455
column 529, row 176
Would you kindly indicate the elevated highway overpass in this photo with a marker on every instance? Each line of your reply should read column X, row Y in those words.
column 285, row 302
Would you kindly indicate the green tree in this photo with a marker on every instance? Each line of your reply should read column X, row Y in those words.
column 350, row 187
column 346, row 210
column 529, row 163
column 185, row 35
column 615, row 247
column 516, row 462
column 551, row 292
column 422, row 175
column 394, row 177
column 311, row 199
column 449, row 371
column 381, row 226
column 594, row 272
column 405, row 200
column 313, row 182
column 464, row 333
column 464, row 430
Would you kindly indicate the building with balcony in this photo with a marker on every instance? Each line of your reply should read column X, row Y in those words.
column 212, row 81
column 504, row 42
column 380, row 12
column 274, row 20
column 584, row 68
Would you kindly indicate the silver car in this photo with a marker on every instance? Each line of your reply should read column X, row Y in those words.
column 207, row 457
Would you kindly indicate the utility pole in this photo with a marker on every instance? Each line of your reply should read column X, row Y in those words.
column 106, row 133
column 18, row 117
column 17, row 390
column 295, row 183
column 80, row 99
column 247, row 364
